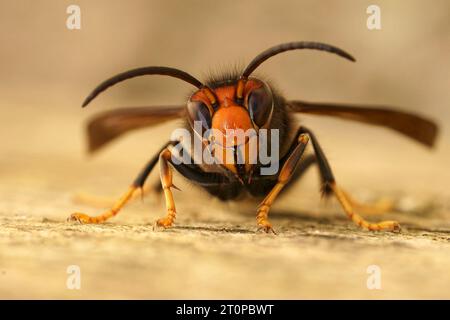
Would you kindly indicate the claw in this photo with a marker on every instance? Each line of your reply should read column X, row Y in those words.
column 165, row 222
column 157, row 227
column 80, row 218
column 396, row 227
column 266, row 230
column 265, row 226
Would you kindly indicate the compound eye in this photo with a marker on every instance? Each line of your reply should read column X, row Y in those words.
column 260, row 104
column 199, row 116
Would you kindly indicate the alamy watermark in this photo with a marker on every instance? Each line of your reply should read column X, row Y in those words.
column 374, row 280
column 234, row 146
column 73, row 281
column 374, row 19
column 73, row 21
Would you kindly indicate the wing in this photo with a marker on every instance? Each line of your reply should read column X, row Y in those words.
column 411, row 125
column 111, row 124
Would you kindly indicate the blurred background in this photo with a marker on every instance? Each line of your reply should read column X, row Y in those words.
column 46, row 70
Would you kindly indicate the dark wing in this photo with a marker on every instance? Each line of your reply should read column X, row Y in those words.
column 411, row 125
column 111, row 124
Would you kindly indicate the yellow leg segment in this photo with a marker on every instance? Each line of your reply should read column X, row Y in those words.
column 84, row 218
column 346, row 204
column 167, row 184
column 104, row 202
column 380, row 207
column 262, row 216
column 285, row 174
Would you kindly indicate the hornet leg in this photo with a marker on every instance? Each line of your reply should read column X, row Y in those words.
column 166, row 182
column 381, row 206
column 346, row 202
column 96, row 201
column 286, row 173
column 126, row 197
column 190, row 171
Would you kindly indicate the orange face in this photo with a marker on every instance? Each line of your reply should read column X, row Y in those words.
column 221, row 108
column 232, row 120
column 230, row 116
